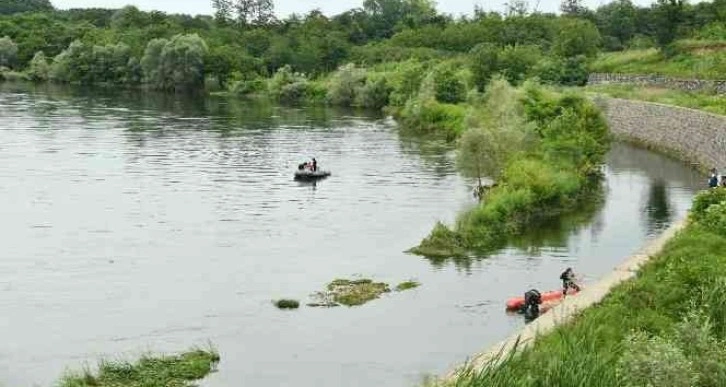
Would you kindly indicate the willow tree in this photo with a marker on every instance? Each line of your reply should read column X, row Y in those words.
column 8, row 52
column 176, row 64
column 496, row 134
column 39, row 69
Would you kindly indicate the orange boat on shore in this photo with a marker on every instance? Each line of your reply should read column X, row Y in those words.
column 552, row 296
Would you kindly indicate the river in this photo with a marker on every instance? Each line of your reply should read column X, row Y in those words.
column 149, row 222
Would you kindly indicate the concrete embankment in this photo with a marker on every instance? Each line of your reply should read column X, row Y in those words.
column 688, row 134
column 691, row 135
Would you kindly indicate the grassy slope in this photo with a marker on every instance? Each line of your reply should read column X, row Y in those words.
column 706, row 102
column 695, row 59
column 688, row 275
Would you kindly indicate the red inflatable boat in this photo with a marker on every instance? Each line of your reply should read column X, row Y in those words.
column 553, row 295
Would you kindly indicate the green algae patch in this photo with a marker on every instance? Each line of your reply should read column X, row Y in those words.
column 356, row 292
column 178, row 371
column 407, row 285
column 286, row 304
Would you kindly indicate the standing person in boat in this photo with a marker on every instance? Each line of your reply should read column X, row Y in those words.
column 314, row 165
column 568, row 281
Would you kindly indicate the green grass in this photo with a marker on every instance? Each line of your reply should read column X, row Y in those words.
column 702, row 101
column 672, row 316
column 693, row 59
column 168, row 371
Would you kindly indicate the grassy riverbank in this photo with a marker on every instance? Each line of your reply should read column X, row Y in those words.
column 177, row 371
column 711, row 103
column 667, row 327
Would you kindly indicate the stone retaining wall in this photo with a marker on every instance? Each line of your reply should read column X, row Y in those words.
column 692, row 135
column 656, row 80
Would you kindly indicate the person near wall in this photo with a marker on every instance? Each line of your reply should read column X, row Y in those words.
column 713, row 180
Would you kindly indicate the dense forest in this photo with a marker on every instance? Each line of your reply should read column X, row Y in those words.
column 244, row 41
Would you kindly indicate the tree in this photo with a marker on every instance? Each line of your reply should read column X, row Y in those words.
column 221, row 61
column 617, row 22
column 176, row 64
column 8, row 52
column 497, row 133
column 669, row 15
column 448, row 88
column 39, row 69
column 256, row 12
column 572, row 8
column 222, row 11
column 516, row 8
column 576, row 37
column 484, row 64
column 152, row 60
column 517, row 61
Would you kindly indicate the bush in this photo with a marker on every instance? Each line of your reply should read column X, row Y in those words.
column 374, row 94
column 653, row 361
column 714, row 219
column 289, row 87
column 706, row 199
column 405, row 81
column 427, row 116
column 448, row 87
column 246, row 87
column 344, row 85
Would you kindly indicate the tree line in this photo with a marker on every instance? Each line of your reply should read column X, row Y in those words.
column 243, row 40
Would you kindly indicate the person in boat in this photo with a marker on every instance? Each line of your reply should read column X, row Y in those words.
column 314, row 165
column 532, row 301
column 568, row 281
column 713, row 180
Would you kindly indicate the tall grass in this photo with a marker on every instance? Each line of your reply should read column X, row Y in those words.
column 703, row 59
column 177, row 371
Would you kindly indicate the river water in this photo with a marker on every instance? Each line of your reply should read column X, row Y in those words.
column 136, row 223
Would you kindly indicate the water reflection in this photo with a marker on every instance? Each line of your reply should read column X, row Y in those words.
column 658, row 207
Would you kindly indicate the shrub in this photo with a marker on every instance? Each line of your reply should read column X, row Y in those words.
column 344, row 84
column 448, row 87
column 429, row 116
column 653, row 361
column 706, row 199
column 714, row 219
column 246, row 87
column 374, row 94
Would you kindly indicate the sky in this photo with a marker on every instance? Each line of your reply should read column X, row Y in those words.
column 329, row 7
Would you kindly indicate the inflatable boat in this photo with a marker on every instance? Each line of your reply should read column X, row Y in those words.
column 516, row 303
column 307, row 174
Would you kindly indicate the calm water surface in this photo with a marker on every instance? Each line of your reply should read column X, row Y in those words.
column 154, row 223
